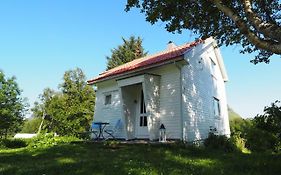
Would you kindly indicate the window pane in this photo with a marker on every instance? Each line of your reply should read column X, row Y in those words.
column 145, row 121
column 107, row 100
column 141, row 121
column 142, row 105
column 213, row 67
column 216, row 107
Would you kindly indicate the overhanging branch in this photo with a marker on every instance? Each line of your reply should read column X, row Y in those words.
column 244, row 29
column 269, row 30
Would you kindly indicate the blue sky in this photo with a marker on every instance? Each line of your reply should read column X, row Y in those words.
column 40, row 40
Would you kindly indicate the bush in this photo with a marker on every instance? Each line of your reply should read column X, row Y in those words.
column 48, row 140
column 239, row 142
column 240, row 126
column 13, row 143
column 40, row 141
column 265, row 132
column 259, row 140
column 219, row 142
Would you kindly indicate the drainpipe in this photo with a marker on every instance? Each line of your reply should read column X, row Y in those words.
column 181, row 101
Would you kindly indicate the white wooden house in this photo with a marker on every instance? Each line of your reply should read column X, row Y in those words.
column 182, row 87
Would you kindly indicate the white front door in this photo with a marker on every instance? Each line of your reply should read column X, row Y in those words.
column 141, row 119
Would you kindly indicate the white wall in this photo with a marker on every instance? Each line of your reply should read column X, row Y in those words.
column 151, row 88
column 130, row 95
column 199, row 89
column 109, row 113
column 170, row 111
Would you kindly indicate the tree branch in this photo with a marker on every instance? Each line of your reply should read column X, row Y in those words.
column 251, row 36
column 268, row 29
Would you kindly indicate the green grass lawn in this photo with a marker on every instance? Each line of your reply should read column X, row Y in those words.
column 105, row 158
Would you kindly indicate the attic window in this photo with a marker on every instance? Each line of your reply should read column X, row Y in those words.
column 107, row 100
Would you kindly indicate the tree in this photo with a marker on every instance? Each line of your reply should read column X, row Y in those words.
column 31, row 125
column 12, row 106
column 69, row 111
column 130, row 49
column 43, row 109
column 79, row 100
column 264, row 133
column 270, row 121
column 255, row 24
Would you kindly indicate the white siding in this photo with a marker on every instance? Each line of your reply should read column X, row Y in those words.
column 199, row 89
column 170, row 112
column 151, row 96
column 112, row 112
column 130, row 95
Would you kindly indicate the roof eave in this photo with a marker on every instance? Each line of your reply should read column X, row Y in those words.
column 220, row 61
column 179, row 58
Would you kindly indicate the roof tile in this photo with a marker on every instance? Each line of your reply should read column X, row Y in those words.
column 143, row 62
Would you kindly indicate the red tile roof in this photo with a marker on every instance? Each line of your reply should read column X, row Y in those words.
column 140, row 63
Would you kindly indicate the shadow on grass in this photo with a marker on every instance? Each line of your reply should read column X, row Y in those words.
column 100, row 158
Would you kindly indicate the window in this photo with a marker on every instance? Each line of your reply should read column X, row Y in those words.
column 107, row 100
column 143, row 117
column 142, row 105
column 213, row 67
column 143, row 121
column 217, row 110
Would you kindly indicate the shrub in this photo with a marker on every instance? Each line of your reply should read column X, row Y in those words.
column 239, row 142
column 219, row 142
column 49, row 139
column 40, row 141
column 259, row 140
column 265, row 132
column 13, row 143
column 240, row 126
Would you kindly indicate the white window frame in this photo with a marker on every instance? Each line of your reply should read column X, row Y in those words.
column 107, row 99
column 217, row 107
column 213, row 67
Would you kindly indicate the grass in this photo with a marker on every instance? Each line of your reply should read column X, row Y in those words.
column 115, row 158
